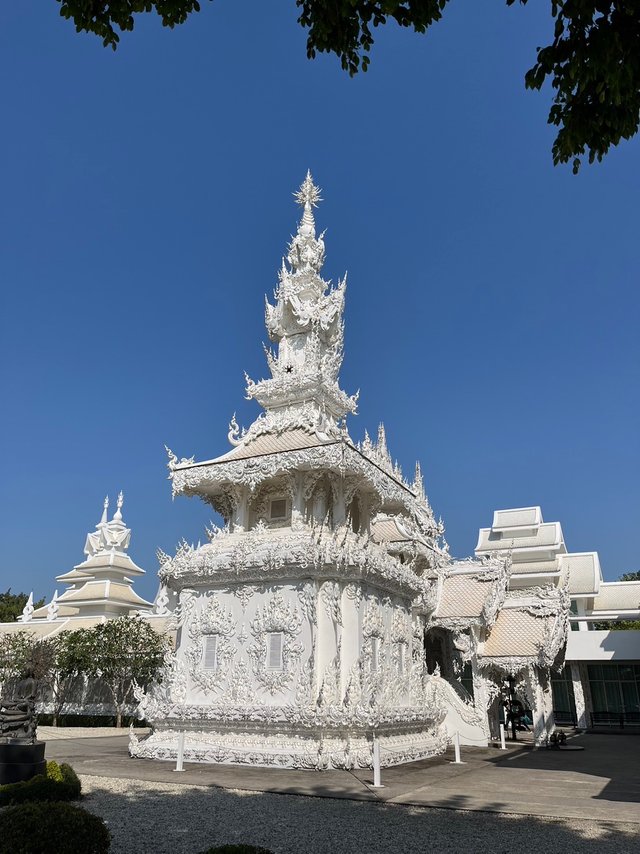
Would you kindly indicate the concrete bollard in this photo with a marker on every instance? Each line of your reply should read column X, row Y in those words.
column 377, row 784
column 456, row 747
column 503, row 745
column 180, row 756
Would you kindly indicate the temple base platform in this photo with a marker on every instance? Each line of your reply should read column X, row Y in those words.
column 302, row 749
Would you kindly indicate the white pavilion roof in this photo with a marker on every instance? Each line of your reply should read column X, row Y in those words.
column 515, row 633
column 108, row 591
column 271, row 443
column 617, row 596
column 583, row 572
column 462, row 596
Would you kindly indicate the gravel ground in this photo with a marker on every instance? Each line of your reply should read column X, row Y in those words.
column 165, row 818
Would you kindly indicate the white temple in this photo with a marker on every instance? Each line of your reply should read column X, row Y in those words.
column 327, row 608
column 98, row 589
column 302, row 625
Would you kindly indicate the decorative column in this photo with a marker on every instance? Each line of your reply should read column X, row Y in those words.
column 298, row 502
column 350, row 653
column 578, row 695
column 240, row 519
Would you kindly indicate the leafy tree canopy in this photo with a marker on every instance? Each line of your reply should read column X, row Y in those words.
column 12, row 605
column 123, row 652
column 593, row 62
column 16, row 652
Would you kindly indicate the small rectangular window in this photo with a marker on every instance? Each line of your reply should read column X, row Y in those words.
column 375, row 642
column 278, row 508
column 210, row 661
column 274, row 651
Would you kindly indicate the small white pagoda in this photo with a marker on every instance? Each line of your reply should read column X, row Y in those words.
column 327, row 607
column 102, row 585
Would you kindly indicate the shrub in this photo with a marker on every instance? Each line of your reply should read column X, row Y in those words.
column 61, row 783
column 54, row 772
column 48, row 828
column 235, row 849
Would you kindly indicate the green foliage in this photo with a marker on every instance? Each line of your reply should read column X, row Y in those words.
column 594, row 66
column 237, row 849
column 593, row 63
column 123, row 652
column 61, row 783
column 12, row 605
column 47, row 828
column 630, row 576
column 54, row 772
column 617, row 626
column 103, row 16
column 16, row 652
column 344, row 28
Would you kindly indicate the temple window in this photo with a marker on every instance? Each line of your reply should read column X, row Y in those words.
column 209, row 655
column 274, row 651
column 278, row 509
column 354, row 514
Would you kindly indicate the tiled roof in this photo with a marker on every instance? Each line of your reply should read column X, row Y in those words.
column 518, row 517
column 531, row 566
column 97, row 591
column 583, row 570
column 548, row 534
column 462, row 596
column 387, row 530
column 618, row 596
column 515, row 633
column 270, row 443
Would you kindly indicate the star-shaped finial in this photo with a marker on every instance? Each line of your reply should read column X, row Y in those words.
column 308, row 194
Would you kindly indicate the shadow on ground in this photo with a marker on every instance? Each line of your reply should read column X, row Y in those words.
column 166, row 818
column 612, row 761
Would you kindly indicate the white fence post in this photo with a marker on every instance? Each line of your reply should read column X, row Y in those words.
column 180, row 756
column 456, row 747
column 503, row 746
column 376, row 763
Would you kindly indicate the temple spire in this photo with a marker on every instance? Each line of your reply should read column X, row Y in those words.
column 105, row 507
column 117, row 516
column 306, row 325
column 308, row 197
column 418, row 483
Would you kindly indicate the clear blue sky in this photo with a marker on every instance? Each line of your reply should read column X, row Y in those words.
column 145, row 204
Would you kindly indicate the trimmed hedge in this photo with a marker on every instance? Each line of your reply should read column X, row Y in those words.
column 61, row 783
column 52, row 829
column 236, row 849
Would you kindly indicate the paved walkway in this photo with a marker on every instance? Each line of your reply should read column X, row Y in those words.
column 599, row 783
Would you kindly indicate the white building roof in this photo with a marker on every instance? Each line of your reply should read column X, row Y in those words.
column 520, row 517
column 462, row 596
column 516, row 633
column 583, row 571
column 618, row 596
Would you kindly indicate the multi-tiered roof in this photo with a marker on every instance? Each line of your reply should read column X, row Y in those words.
column 303, row 426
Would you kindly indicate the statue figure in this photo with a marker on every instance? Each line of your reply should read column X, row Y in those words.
column 18, row 716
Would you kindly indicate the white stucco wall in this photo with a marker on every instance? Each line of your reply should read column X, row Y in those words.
column 603, row 646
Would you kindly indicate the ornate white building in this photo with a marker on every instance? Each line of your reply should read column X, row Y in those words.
column 327, row 608
column 98, row 589
column 302, row 625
